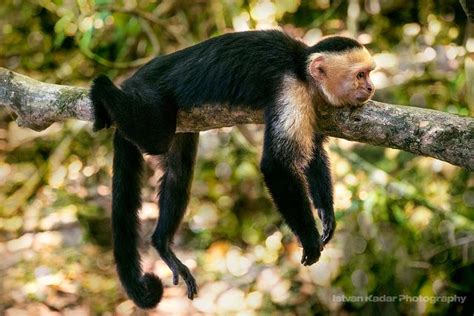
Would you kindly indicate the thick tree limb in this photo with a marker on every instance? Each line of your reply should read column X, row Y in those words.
column 431, row 133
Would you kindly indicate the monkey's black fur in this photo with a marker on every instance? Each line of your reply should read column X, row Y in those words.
column 234, row 70
column 145, row 290
column 178, row 165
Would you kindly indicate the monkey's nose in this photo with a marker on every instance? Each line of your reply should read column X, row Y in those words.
column 370, row 88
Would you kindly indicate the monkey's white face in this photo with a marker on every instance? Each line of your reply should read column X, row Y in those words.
column 344, row 79
column 362, row 87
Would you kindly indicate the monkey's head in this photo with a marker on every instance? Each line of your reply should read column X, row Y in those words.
column 340, row 67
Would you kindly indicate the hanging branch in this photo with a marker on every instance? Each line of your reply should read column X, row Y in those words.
column 420, row 131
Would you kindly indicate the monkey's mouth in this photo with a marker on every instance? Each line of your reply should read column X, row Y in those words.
column 359, row 101
column 362, row 99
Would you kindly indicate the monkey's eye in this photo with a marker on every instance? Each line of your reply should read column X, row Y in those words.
column 360, row 75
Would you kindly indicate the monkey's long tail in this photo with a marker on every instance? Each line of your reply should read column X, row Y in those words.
column 146, row 289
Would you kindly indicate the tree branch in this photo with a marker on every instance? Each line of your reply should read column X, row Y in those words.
column 431, row 133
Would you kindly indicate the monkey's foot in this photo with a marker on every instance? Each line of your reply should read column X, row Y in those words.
column 311, row 254
column 179, row 269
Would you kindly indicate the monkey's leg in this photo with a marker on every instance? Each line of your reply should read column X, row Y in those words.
column 287, row 186
column 174, row 196
column 150, row 124
column 143, row 117
column 318, row 175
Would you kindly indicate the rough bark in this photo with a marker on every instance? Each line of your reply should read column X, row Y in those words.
column 431, row 133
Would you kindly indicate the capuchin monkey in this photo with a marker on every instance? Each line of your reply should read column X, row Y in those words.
column 265, row 70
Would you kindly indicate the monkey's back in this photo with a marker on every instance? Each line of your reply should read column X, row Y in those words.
column 235, row 69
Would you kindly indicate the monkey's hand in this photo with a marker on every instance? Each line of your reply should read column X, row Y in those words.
column 329, row 225
column 311, row 251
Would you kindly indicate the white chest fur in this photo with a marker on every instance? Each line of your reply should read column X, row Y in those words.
column 296, row 117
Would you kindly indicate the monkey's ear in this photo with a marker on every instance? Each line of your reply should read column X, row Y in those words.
column 316, row 66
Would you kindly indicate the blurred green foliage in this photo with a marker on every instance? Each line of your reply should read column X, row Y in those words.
column 405, row 223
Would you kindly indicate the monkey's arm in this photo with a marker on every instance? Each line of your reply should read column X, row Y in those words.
column 287, row 185
column 318, row 175
column 420, row 131
column 289, row 194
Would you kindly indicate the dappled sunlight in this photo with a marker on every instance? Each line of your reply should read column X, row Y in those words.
column 404, row 222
